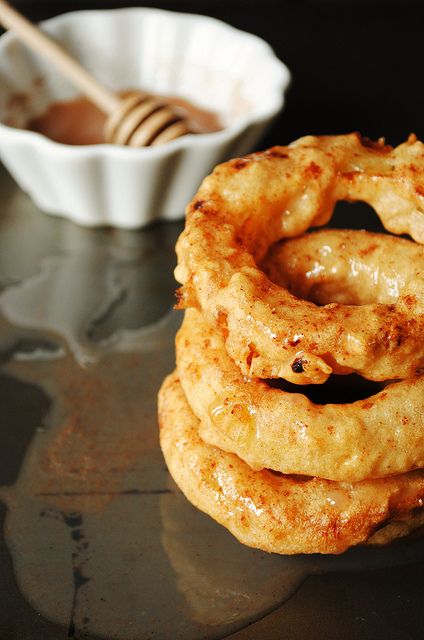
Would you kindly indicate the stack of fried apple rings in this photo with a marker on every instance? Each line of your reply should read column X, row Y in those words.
column 257, row 427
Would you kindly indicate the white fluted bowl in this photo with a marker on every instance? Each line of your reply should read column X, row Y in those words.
column 195, row 57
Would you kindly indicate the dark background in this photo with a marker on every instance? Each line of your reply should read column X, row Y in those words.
column 356, row 64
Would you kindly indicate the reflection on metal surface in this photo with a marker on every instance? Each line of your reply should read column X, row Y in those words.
column 83, row 284
column 103, row 544
column 226, row 583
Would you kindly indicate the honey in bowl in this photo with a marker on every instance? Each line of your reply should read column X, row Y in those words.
column 80, row 122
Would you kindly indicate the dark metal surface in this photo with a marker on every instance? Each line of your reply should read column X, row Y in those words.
column 97, row 542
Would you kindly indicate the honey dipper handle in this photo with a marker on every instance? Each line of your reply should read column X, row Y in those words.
column 39, row 42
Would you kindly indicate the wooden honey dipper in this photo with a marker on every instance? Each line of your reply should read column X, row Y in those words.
column 135, row 120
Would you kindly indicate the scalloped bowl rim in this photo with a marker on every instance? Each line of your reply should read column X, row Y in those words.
column 189, row 140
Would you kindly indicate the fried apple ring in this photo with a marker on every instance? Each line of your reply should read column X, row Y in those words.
column 248, row 204
column 274, row 429
column 350, row 267
column 277, row 513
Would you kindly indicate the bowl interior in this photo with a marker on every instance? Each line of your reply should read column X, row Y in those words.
column 194, row 57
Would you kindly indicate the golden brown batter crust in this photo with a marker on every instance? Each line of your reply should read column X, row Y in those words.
column 287, row 432
column 247, row 204
column 277, row 513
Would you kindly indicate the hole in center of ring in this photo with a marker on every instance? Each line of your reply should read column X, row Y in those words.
column 336, row 390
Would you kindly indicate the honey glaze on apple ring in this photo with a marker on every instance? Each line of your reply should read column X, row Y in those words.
column 350, row 267
column 287, row 432
column 277, row 513
column 248, row 204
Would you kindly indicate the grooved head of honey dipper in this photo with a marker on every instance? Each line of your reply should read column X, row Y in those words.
column 142, row 120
